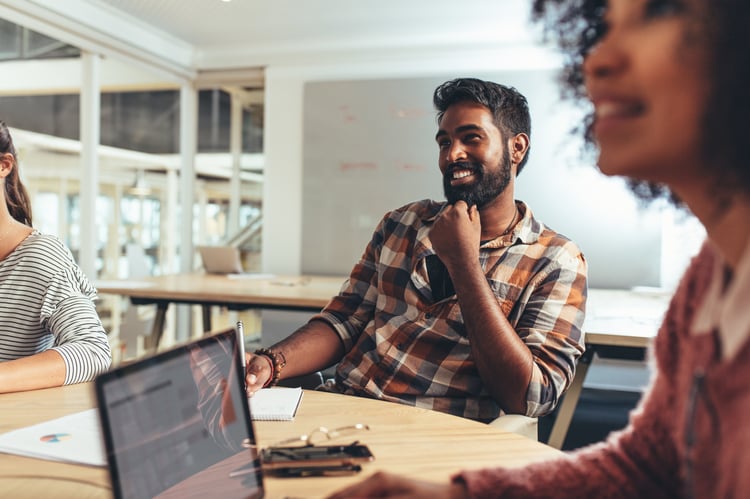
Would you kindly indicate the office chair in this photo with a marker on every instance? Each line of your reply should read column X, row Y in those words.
column 306, row 381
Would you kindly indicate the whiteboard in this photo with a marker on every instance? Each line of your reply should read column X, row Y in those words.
column 369, row 147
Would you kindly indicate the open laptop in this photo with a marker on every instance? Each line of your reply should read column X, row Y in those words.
column 177, row 424
column 221, row 259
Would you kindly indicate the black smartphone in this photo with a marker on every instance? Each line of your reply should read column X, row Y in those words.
column 328, row 457
column 440, row 279
column 335, row 470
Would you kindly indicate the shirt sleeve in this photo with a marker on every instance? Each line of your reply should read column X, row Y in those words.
column 68, row 312
column 551, row 327
column 354, row 307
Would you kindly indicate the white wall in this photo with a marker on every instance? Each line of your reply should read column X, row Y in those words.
column 282, row 225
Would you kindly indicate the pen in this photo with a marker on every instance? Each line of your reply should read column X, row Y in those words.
column 241, row 343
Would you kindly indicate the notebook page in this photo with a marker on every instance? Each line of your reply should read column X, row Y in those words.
column 275, row 404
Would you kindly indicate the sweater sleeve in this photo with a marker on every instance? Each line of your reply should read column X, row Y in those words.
column 639, row 461
column 80, row 339
column 69, row 313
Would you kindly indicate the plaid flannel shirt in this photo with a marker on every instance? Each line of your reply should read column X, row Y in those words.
column 403, row 346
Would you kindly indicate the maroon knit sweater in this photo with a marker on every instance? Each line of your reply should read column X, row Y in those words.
column 694, row 396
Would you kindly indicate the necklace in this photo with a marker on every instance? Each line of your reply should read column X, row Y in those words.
column 511, row 224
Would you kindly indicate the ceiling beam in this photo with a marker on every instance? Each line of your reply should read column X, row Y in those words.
column 32, row 77
column 105, row 31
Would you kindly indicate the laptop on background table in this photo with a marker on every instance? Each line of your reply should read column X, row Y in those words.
column 177, row 424
column 227, row 260
column 221, row 259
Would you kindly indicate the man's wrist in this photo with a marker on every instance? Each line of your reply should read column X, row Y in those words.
column 278, row 361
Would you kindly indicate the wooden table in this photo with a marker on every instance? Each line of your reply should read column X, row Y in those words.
column 295, row 293
column 619, row 324
column 404, row 439
column 23, row 477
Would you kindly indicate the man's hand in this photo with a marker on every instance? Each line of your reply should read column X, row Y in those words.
column 258, row 371
column 456, row 235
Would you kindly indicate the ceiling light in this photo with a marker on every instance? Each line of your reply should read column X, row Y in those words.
column 139, row 187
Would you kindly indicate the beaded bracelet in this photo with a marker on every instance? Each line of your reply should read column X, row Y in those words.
column 278, row 361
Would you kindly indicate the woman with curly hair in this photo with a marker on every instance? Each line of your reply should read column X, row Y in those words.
column 667, row 80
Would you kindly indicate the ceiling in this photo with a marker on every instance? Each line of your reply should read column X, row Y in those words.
column 148, row 43
column 242, row 33
column 249, row 22
column 186, row 40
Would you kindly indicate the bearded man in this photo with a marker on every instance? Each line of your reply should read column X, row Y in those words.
column 470, row 306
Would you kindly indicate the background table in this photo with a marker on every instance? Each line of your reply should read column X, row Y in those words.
column 404, row 439
column 295, row 293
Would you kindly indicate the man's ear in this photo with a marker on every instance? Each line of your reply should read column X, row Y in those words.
column 518, row 145
column 6, row 164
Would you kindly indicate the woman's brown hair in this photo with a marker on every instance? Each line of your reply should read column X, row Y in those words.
column 16, row 197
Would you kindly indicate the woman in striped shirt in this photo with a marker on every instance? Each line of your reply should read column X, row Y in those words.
column 50, row 333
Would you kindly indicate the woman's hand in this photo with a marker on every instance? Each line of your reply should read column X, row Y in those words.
column 383, row 484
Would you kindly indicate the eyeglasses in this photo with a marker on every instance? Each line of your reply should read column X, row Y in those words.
column 322, row 434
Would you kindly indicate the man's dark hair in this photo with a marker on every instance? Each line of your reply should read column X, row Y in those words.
column 507, row 105
column 721, row 27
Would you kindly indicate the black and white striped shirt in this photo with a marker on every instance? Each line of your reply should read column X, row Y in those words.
column 47, row 302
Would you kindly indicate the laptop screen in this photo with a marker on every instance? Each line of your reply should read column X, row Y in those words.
column 177, row 424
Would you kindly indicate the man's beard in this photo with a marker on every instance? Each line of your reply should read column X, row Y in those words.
column 484, row 189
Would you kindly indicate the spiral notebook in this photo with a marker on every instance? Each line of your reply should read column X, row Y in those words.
column 275, row 404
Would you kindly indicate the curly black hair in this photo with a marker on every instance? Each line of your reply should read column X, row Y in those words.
column 577, row 25
column 509, row 108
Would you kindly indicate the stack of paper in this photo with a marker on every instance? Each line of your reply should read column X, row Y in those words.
column 75, row 438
